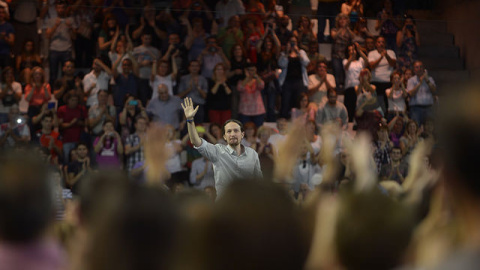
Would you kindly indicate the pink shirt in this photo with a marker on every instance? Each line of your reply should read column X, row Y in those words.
column 251, row 102
column 38, row 97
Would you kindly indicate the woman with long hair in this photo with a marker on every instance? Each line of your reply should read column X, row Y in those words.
column 10, row 91
column 110, row 29
column 342, row 36
column 293, row 78
column 238, row 62
column 303, row 109
column 356, row 62
column 268, row 50
column 368, row 111
column 408, row 41
column 26, row 61
column 218, row 97
column 304, row 32
column 37, row 92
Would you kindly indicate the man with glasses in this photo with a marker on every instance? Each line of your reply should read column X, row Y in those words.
column 397, row 170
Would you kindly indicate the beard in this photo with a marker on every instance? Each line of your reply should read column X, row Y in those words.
column 234, row 142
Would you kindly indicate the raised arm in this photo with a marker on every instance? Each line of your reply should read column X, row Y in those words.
column 190, row 114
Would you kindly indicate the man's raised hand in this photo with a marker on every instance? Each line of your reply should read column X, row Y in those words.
column 187, row 106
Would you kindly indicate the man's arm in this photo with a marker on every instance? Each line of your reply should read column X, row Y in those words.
column 190, row 114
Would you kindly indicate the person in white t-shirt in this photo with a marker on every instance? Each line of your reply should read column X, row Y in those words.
column 161, row 75
column 319, row 83
column 95, row 81
column 382, row 63
column 357, row 60
column 396, row 96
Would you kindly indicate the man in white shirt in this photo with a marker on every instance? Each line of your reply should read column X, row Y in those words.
column 382, row 63
column 95, row 81
column 421, row 89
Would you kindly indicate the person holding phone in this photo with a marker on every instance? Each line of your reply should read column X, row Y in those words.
column 408, row 41
column 132, row 109
column 294, row 78
column 108, row 147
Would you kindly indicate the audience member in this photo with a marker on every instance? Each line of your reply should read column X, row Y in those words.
column 194, row 86
column 10, row 92
column 95, row 81
column 332, row 110
column 108, row 147
column 421, row 89
column 166, row 109
column 15, row 132
column 7, row 39
column 397, row 170
column 356, row 62
column 319, row 83
column 251, row 107
column 99, row 113
column 342, row 36
column 134, row 151
column 219, row 96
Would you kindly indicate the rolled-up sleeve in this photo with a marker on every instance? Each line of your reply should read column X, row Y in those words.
column 208, row 150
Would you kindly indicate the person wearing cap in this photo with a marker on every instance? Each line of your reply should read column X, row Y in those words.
column 230, row 162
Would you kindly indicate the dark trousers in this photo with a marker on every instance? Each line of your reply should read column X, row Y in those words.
column 326, row 11
column 350, row 102
column 291, row 90
column 381, row 97
column 269, row 95
column 57, row 58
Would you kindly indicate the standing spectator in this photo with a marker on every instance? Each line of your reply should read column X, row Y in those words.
column 67, row 83
column 37, row 92
column 282, row 31
column 7, row 39
column 265, row 151
column 252, row 35
column 134, row 143
column 304, row 109
column 108, row 147
column 196, row 39
column 163, row 76
column 120, row 50
column 219, row 96
column 230, row 35
column 72, row 119
column 421, row 88
column 238, row 63
column 268, row 49
column 78, row 168
column 133, row 108
column 99, row 113
column 388, row 28
column 333, row 110
column 327, row 9
column 15, row 132
column 251, row 106
column 84, row 15
column 250, row 138
column 383, row 147
column 211, row 56
column 173, row 165
column 397, row 170
column 277, row 138
column 369, row 44
column 319, row 83
column 305, row 33
column 61, row 32
column 357, row 60
column 26, row 61
column 367, row 113
column 409, row 139
column 408, row 40
column 382, row 63
column 149, row 24
column 126, row 83
column 361, row 33
column 342, row 36
column 145, row 54
column 10, row 92
column 25, row 23
column 49, row 138
column 195, row 86
column 225, row 9
column 256, row 12
column 353, row 9
column 181, row 58
column 294, row 77
column 396, row 97
column 198, row 9
column 110, row 30
column 166, row 109
column 96, row 81
column 121, row 9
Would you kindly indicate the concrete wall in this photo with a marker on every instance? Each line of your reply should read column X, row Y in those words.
column 463, row 20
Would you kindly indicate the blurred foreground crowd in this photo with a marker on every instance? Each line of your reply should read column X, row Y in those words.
column 96, row 155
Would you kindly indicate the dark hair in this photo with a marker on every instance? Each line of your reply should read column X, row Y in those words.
column 4, row 73
column 330, row 91
column 26, row 201
column 355, row 48
column 47, row 115
column 361, row 234
column 235, row 121
column 139, row 117
column 300, row 97
column 82, row 143
column 395, row 72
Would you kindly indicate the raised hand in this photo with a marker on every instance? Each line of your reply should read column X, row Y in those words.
column 188, row 108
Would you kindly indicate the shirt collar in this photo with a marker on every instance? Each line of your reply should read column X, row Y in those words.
column 231, row 151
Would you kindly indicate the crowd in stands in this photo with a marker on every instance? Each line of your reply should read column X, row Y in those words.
column 93, row 86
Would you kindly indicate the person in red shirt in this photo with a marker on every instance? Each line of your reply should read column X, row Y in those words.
column 72, row 119
column 49, row 138
column 37, row 92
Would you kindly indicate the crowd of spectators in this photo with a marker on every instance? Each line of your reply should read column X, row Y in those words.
column 90, row 86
